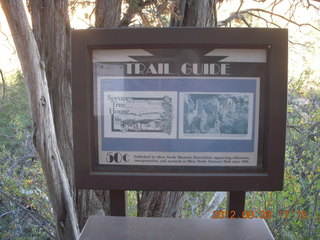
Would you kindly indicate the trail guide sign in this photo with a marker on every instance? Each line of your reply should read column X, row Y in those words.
column 179, row 109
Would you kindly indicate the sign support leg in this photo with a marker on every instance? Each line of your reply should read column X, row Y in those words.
column 118, row 203
column 236, row 203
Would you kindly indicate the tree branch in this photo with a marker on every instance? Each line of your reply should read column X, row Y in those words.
column 6, row 213
column 294, row 204
column 245, row 22
column 157, row 13
column 295, row 127
column 311, row 225
column 3, row 85
column 280, row 16
column 262, row 18
column 213, row 205
column 311, row 5
column 241, row 3
column 237, row 15
column 31, row 213
column 8, row 40
column 132, row 10
column 215, row 14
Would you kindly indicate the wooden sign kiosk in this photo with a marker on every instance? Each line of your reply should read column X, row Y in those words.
column 179, row 109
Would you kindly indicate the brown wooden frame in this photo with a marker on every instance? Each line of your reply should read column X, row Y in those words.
column 269, row 178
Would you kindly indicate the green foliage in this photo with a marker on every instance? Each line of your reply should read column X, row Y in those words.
column 132, row 203
column 295, row 210
column 15, row 116
column 24, row 207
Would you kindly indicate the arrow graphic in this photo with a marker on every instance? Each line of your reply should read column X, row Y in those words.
column 118, row 55
column 240, row 55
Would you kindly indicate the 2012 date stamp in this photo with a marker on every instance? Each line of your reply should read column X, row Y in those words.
column 264, row 214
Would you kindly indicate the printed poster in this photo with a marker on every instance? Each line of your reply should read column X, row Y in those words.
column 175, row 113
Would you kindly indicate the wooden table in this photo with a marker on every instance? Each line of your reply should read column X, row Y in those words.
column 142, row 228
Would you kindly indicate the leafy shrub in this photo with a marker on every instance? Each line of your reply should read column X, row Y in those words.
column 25, row 211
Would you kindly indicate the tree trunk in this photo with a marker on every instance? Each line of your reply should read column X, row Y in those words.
column 193, row 13
column 107, row 13
column 45, row 139
column 160, row 204
column 97, row 202
column 169, row 204
column 51, row 28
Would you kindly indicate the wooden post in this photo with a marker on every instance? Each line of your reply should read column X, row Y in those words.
column 118, row 203
column 236, row 203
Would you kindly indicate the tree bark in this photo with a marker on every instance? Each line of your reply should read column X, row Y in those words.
column 51, row 28
column 160, row 204
column 45, row 139
column 193, row 13
column 107, row 13
column 169, row 204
